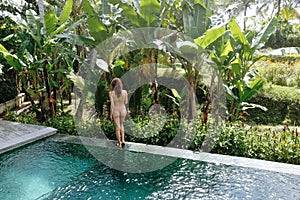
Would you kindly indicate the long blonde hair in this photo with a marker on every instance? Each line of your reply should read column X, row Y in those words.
column 117, row 86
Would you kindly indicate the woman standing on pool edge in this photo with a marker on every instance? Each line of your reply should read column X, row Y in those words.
column 118, row 98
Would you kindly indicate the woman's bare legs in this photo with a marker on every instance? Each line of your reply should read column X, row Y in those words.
column 117, row 120
column 122, row 118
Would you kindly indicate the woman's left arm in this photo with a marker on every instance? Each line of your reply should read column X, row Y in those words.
column 126, row 97
column 111, row 105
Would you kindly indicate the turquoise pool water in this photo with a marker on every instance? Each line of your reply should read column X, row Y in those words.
column 56, row 170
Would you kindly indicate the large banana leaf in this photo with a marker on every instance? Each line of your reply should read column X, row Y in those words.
column 34, row 26
column 11, row 59
column 237, row 33
column 263, row 35
column 251, row 90
column 96, row 27
column 131, row 15
column 194, row 20
column 77, row 39
column 65, row 13
column 149, row 11
column 210, row 36
column 51, row 21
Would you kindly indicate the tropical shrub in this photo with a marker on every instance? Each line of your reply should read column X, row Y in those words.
column 43, row 60
column 142, row 129
column 8, row 88
column 283, row 104
column 280, row 145
column 236, row 139
column 234, row 53
column 63, row 122
column 280, row 70
column 8, row 78
column 27, row 117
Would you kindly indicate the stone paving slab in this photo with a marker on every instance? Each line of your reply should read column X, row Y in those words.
column 188, row 154
column 14, row 135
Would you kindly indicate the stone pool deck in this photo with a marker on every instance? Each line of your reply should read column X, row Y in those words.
column 14, row 135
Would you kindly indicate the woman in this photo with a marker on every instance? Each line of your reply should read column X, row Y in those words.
column 118, row 99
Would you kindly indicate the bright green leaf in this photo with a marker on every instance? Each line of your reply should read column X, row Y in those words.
column 51, row 21
column 237, row 33
column 65, row 13
column 2, row 48
column 11, row 59
column 236, row 66
column 88, row 8
column 149, row 10
column 130, row 14
column 175, row 93
column 228, row 48
column 97, row 29
column 252, row 89
column 210, row 36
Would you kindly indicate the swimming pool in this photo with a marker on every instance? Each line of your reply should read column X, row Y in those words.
column 57, row 170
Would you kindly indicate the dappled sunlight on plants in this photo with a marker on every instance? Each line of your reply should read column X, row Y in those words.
column 284, row 71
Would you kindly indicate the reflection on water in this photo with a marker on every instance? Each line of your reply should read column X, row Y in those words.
column 51, row 170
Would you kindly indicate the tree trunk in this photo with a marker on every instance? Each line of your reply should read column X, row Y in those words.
column 206, row 109
column 49, row 99
column 190, row 105
column 154, row 86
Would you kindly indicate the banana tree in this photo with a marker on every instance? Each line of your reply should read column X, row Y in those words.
column 43, row 60
column 139, row 14
column 234, row 53
column 195, row 22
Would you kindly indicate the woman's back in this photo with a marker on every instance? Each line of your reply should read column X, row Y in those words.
column 119, row 101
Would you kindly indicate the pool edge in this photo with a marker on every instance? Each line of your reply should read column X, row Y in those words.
column 189, row 154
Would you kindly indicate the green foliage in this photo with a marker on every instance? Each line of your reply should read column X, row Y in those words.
column 281, row 145
column 63, row 122
column 27, row 117
column 236, row 139
column 280, row 70
column 8, row 88
column 149, row 11
column 143, row 130
column 96, row 27
column 283, row 104
column 42, row 61
column 101, row 96
column 195, row 19
column 287, row 33
column 233, row 53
